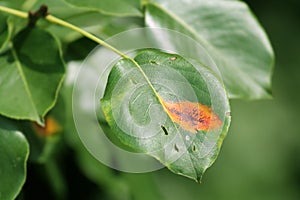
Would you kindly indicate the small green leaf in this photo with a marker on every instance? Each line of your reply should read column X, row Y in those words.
column 110, row 7
column 14, row 151
column 229, row 33
column 170, row 108
column 30, row 75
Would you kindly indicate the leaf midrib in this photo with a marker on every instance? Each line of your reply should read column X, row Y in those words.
column 24, row 81
column 165, row 109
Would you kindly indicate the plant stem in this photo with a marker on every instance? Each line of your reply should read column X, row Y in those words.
column 94, row 38
column 63, row 23
column 14, row 12
column 58, row 21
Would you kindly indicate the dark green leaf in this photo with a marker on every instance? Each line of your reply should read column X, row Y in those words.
column 138, row 104
column 14, row 152
column 110, row 7
column 230, row 34
column 30, row 75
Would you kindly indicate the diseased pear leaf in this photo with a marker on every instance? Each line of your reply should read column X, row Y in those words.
column 169, row 107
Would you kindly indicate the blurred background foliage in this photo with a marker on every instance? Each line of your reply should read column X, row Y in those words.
column 259, row 158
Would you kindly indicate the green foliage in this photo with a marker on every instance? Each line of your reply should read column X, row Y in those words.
column 138, row 91
column 31, row 72
column 13, row 156
column 229, row 33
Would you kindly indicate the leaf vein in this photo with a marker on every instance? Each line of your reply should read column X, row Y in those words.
column 24, row 80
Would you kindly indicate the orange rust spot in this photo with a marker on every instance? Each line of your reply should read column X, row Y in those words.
column 193, row 116
column 51, row 127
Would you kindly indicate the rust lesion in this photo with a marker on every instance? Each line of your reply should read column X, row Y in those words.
column 193, row 116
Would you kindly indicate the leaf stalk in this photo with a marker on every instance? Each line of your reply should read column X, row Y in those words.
column 63, row 23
